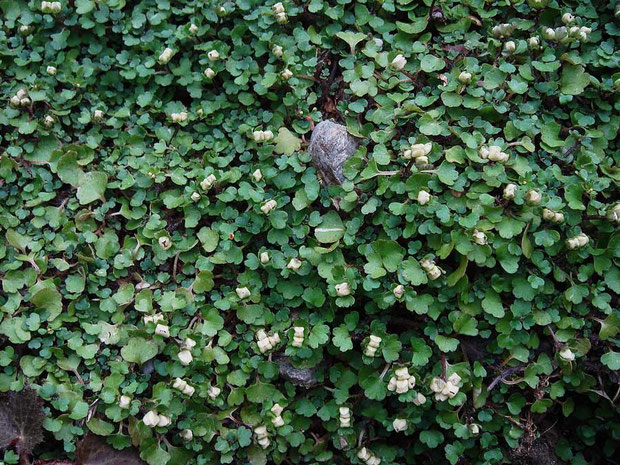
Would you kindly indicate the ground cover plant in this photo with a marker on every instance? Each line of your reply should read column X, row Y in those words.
column 179, row 287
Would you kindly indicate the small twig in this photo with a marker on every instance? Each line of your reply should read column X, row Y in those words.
column 505, row 374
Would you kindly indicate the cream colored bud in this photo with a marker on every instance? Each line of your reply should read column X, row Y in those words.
column 186, row 434
column 277, row 51
column 399, row 425
column 162, row 330
column 278, row 421
column 510, row 191
column 124, row 402
column 213, row 392
column 399, row 291
column 163, row 421
column 567, row 355
column 21, row 93
column 281, row 18
column 179, row 384
column 189, row 390
column 98, row 114
column 533, row 42
column 420, row 399
column 277, row 409
column 209, row 73
column 286, row 74
column 51, row 70
column 185, row 357
column 294, row 264
column 343, row 289
column 567, row 18
column 165, row 56
column 165, row 242
column 49, row 121
column 24, row 102
column 242, row 292
column 269, row 206
column 267, row 135
column 207, row 182
column 257, row 175
column 193, row 29
column 474, row 429
column 399, row 62
column 465, row 77
column 510, row 46
column 15, row 101
column 195, row 196
column 278, row 8
column 423, row 197
column 533, row 197
column 479, row 237
column 151, row 419
column 549, row 33
column 213, row 55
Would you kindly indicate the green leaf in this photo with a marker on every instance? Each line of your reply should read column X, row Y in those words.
column 574, row 79
column 611, row 360
column 331, row 228
column 139, row 350
column 287, row 142
column 91, row 187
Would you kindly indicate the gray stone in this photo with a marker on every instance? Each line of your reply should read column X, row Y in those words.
column 305, row 377
column 330, row 146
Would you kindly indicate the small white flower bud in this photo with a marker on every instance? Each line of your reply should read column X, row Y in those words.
column 24, row 102
column 399, row 291
column 187, row 434
column 207, row 182
column 510, row 191
column 278, row 8
column 474, row 429
column 49, row 121
column 242, row 292
column 165, row 56
column 15, row 101
column 124, row 402
column 420, row 399
column 510, row 46
column 163, row 421
column 162, row 330
column 343, row 289
column 185, row 357
column 567, row 18
column 209, row 73
column 567, row 355
column 189, row 343
column 549, row 33
column 423, row 197
column 465, row 77
column 479, row 237
column 189, row 390
column 267, row 135
column 286, row 74
column 533, row 197
column 165, row 242
column 294, row 264
column 264, row 257
column 213, row 55
column 257, row 175
column 533, row 42
column 399, row 425
column 193, row 29
column 277, row 51
column 98, row 114
column 51, row 70
column 269, row 206
column 213, row 392
column 399, row 62
column 281, row 18
column 195, row 196
column 151, row 418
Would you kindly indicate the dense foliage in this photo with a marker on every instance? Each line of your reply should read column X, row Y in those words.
column 166, row 246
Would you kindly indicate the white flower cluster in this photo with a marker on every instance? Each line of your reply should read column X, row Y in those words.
column 165, row 56
column 510, row 191
column 164, row 242
column 20, row 99
column 184, row 387
column 207, row 182
column 345, row 417
column 399, row 62
column 502, row 30
column 294, row 264
column 265, row 342
column 277, row 419
column 262, row 136
column 580, row 240
column 493, row 153
column 432, row 270
column 418, row 152
column 185, row 354
column 372, row 346
column 51, row 7
column 278, row 10
column 613, row 214
column 242, row 292
column 179, row 117
column 479, row 237
column 554, row 217
column 402, row 381
column 566, row 34
column 445, row 390
column 399, row 424
column 153, row 419
column 286, row 74
column 261, row 436
column 298, row 336
column 343, row 289
column 368, row 457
